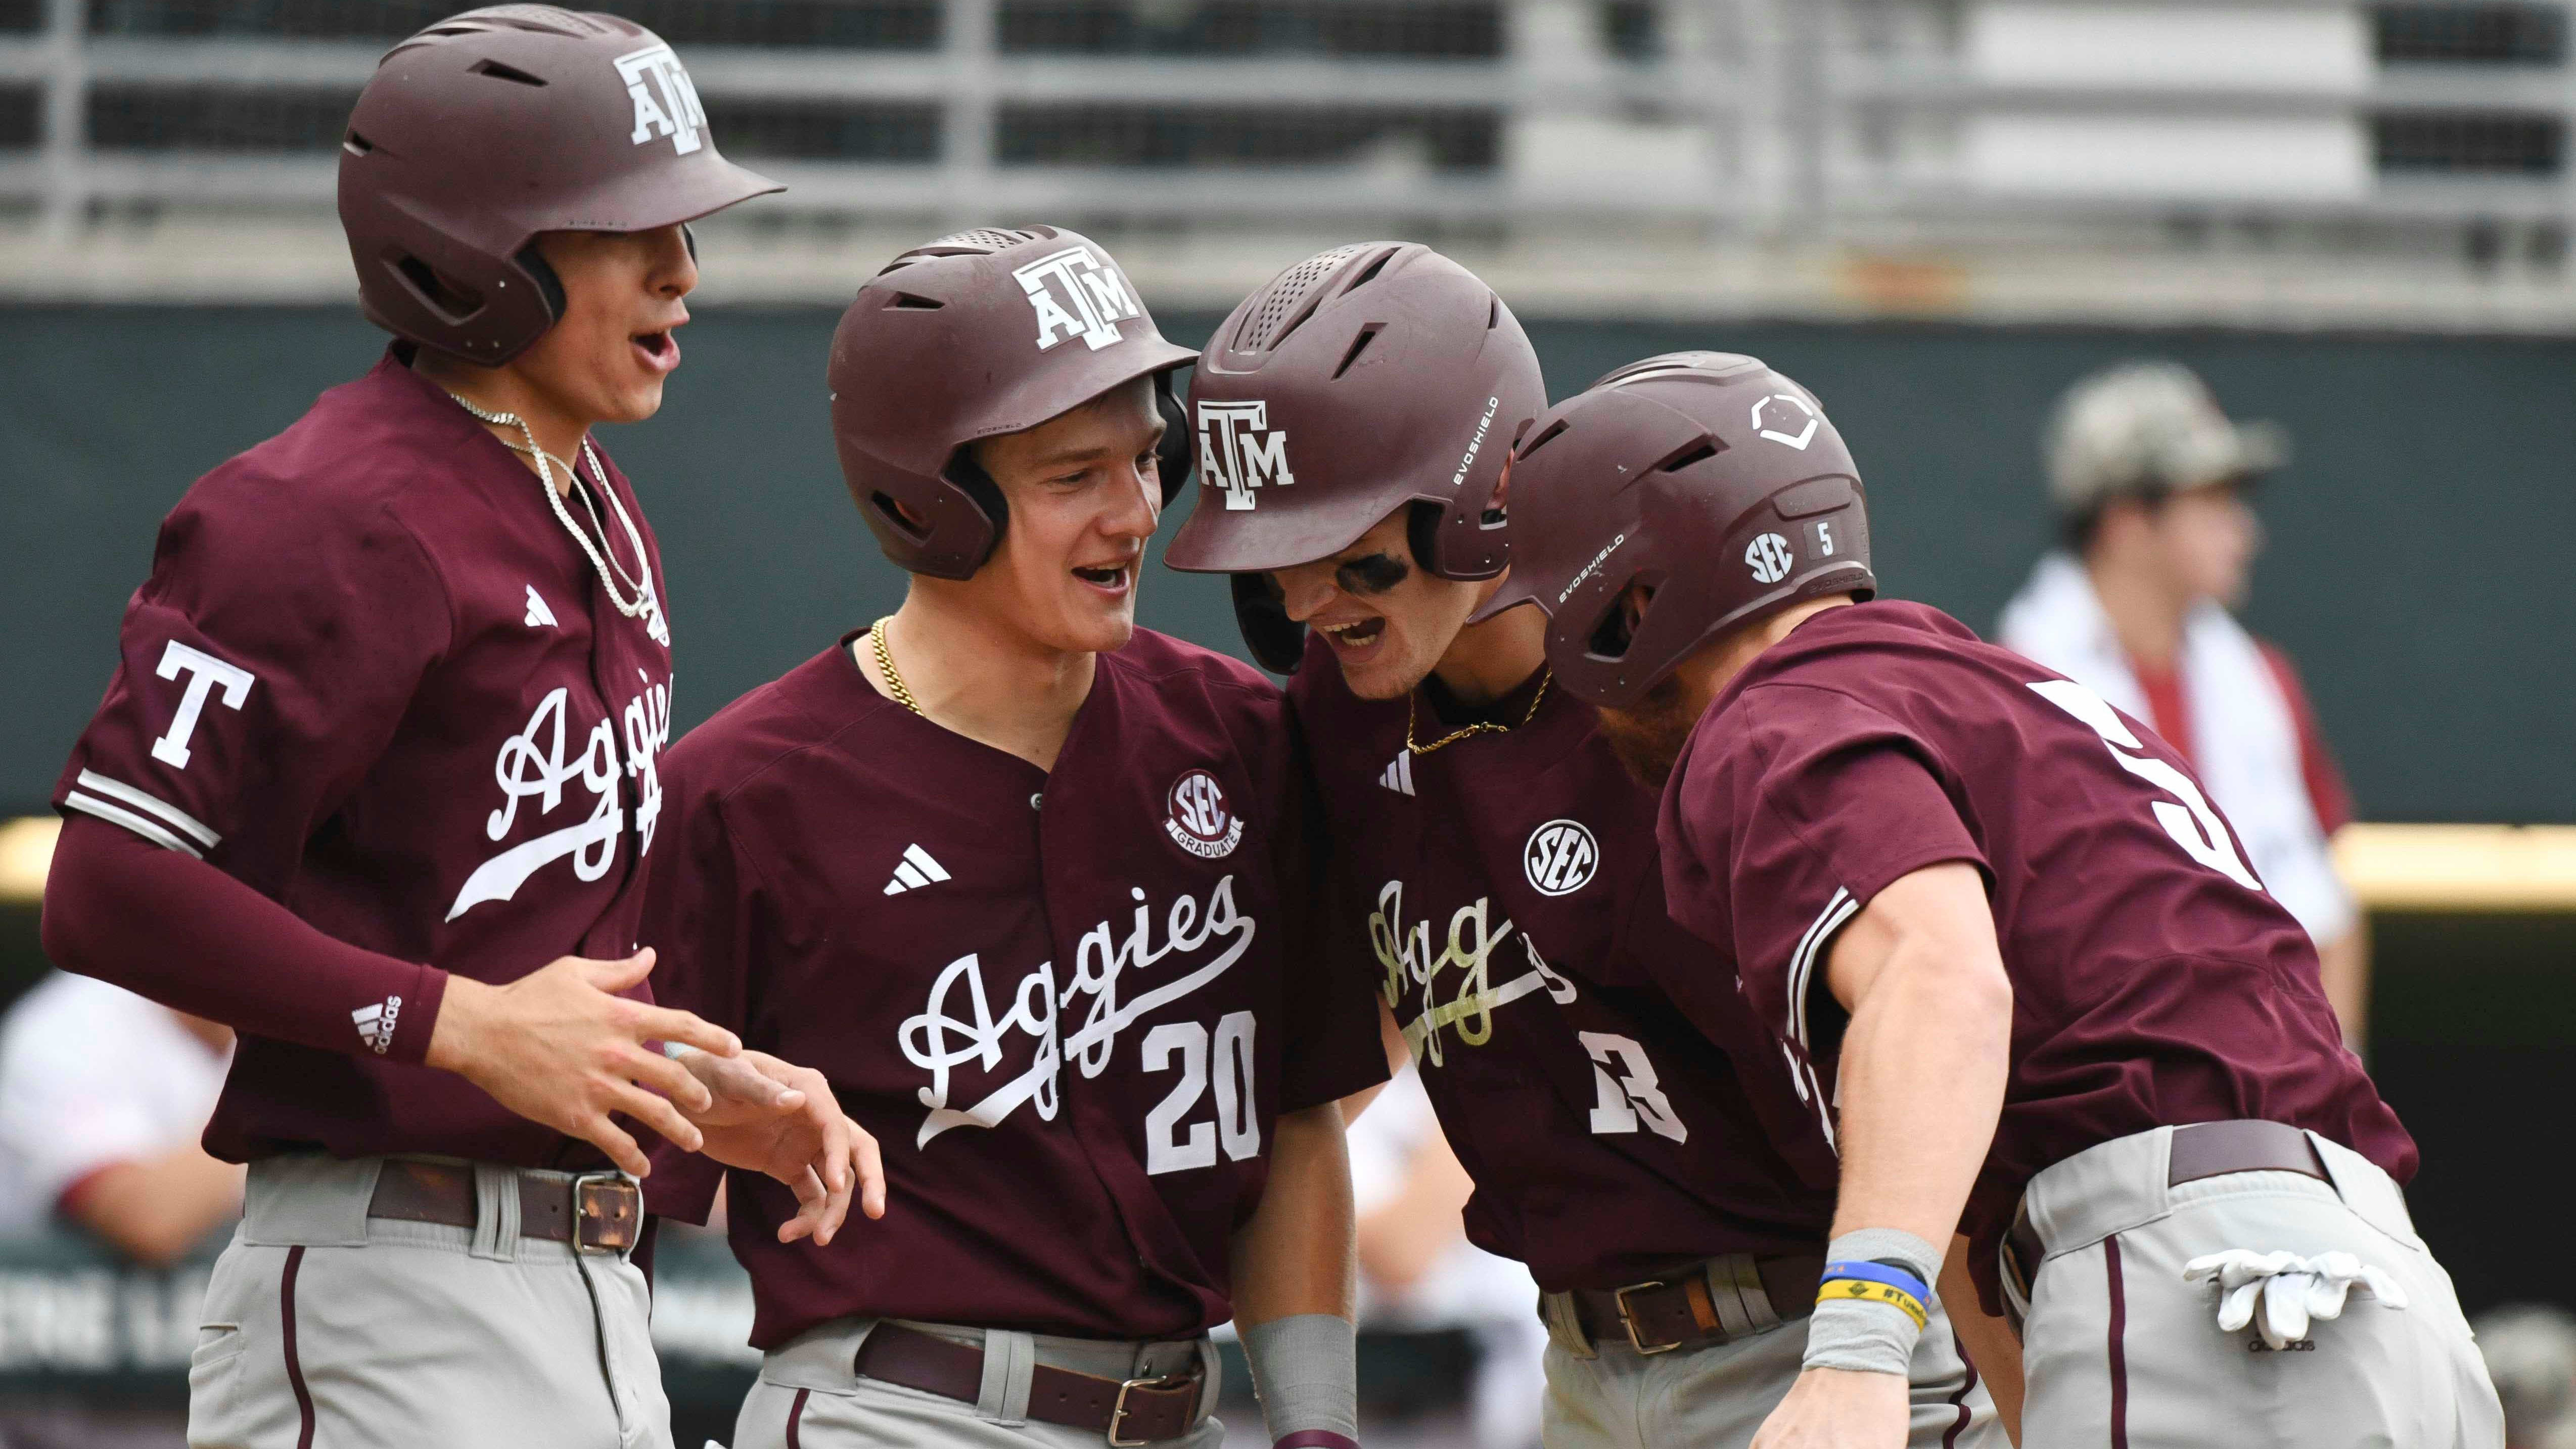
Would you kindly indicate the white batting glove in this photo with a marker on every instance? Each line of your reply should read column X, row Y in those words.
column 2290, row 1290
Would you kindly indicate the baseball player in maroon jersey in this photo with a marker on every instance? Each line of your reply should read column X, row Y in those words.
column 1031, row 886
column 1495, row 867
column 381, row 746
column 2016, row 959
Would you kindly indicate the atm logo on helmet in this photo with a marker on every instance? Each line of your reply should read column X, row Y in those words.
column 666, row 103
column 1239, row 451
column 1075, row 294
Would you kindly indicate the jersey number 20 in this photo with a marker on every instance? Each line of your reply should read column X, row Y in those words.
column 1238, row 1121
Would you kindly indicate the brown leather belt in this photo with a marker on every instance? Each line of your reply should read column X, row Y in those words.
column 2203, row 1149
column 596, row 1212
column 1129, row 1411
column 1663, row 1314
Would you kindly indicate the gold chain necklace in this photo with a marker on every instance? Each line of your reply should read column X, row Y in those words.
column 1481, row 727
column 885, row 666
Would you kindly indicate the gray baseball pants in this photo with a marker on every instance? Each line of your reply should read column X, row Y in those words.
column 2119, row 1350
column 325, row 1327
column 1716, row 1397
column 808, row 1397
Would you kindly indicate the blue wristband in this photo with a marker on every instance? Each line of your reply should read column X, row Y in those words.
column 1882, row 1273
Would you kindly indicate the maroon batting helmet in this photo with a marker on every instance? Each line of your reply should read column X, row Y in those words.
column 1362, row 380
column 500, row 123
column 974, row 336
column 1706, row 476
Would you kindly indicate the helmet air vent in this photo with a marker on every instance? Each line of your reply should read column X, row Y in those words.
column 1699, row 452
column 1281, row 311
column 452, row 301
column 1359, row 344
column 498, row 71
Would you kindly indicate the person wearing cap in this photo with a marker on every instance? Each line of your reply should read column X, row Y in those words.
column 2150, row 480
column 2014, row 953
column 1032, row 887
column 1494, row 869
column 375, row 777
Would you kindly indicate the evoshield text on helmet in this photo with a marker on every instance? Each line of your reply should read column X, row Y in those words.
column 974, row 336
column 1365, row 379
column 1706, row 476
column 490, row 127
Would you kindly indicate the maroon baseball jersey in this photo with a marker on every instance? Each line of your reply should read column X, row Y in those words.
column 372, row 677
column 2154, row 981
column 1502, row 893
column 1069, row 1006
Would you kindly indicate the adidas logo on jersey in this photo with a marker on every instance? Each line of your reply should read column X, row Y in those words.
column 914, row 871
column 1398, row 775
column 376, row 1024
column 539, row 616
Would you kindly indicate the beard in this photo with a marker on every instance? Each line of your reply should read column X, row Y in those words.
column 1648, row 736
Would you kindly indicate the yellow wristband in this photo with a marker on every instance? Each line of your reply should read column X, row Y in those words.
column 1843, row 1288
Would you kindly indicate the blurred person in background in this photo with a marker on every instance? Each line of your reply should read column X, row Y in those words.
column 2530, row 1349
column 2150, row 480
column 1417, row 1269
column 102, row 1096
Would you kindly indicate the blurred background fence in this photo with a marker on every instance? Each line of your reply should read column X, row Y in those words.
column 1855, row 155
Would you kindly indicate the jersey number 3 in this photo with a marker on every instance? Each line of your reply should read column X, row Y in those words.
column 2192, row 824
column 1238, row 1121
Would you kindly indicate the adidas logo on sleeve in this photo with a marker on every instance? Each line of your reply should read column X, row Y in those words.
column 376, row 1023
column 914, row 871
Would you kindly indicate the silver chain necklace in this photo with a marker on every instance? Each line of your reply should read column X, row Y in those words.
column 636, row 599
column 590, row 505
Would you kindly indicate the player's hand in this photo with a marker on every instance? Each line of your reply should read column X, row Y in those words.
column 1840, row 1409
column 773, row 1117
column 559, row 1046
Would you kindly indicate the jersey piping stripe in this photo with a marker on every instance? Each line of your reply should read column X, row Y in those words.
column 2119, row 1346
column 295, row 1364
column 161, row 810
column 1824, row 1109
column 1959, row 1400
column 796, row 1420
column 1802, row 965
column 118, row 815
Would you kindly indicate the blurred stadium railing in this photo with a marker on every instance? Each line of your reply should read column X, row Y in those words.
column 1854, row 155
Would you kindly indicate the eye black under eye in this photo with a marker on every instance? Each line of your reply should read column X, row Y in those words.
column 1374, row 574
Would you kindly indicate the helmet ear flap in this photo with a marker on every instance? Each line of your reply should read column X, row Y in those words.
column 988, row 497
column 1422, row 534
column 1174, row 457
column 1277, row 642
column 550, row 290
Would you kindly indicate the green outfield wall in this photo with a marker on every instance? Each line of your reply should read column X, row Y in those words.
column 2417, row 566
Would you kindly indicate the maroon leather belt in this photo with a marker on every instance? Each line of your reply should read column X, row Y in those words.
column 2203, row 1149
column 1660, row 1315
column 1128, row 1411
column 596, row 1212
